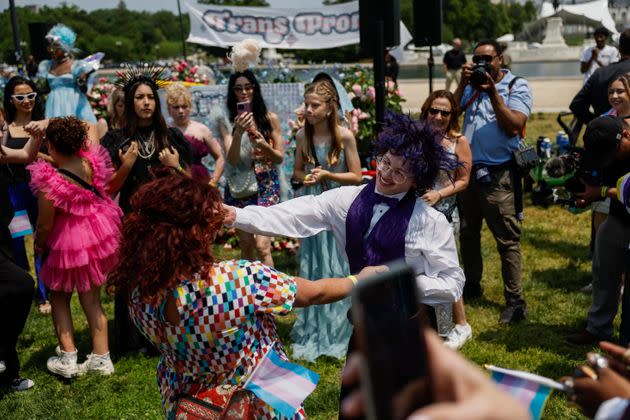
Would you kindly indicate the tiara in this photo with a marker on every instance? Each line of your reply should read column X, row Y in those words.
column 150, row 74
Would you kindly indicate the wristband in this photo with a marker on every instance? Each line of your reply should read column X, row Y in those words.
column 179, row 169
column 213, row 183
column 603, row 192
column 354, row 279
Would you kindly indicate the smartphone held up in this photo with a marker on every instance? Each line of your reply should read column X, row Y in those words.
column 243, row 107
column 386, row 314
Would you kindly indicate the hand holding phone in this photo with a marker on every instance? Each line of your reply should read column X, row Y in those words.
column 243, row 107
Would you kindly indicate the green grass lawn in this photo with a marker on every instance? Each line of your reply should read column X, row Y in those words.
column 555, row 267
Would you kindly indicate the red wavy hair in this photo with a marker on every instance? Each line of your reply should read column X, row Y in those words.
column 167, row 236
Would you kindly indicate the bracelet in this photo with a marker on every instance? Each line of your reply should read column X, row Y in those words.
column 179, row 169
column 354, row 279
column 603, row 192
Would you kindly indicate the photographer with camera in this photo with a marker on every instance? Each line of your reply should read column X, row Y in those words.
column 497, row 105
column 607, row 144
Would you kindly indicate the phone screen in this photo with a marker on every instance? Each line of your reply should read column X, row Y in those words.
column 386, row 313
column 242, row 107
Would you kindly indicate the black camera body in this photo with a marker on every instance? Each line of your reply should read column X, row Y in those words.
column 480, row 72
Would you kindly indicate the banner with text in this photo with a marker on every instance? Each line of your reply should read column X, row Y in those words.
column 316, row 28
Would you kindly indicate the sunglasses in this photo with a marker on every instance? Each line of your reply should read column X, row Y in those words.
column 21, row 98
column 243, row 88
column 435, row 111
column 479, row 58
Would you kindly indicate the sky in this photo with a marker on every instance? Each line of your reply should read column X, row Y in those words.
column 149, row 5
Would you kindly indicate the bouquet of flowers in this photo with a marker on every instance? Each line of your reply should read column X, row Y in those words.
column 99, row 96
column 182, row 71
column 359, row 82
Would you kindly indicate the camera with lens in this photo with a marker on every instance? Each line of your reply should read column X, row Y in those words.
column 479, row 73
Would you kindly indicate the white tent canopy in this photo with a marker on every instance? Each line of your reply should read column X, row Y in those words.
column 594, row 13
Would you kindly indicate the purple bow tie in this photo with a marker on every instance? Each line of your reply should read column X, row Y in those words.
column 390, row 201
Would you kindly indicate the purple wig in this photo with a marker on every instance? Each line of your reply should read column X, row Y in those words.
column 421, row 146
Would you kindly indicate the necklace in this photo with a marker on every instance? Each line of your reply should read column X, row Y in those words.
column 146, row 148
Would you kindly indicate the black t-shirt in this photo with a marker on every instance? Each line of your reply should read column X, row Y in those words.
column 15, row 172
column 6, row 214
column 140, row 172
column 610, row 176
column 454, row 60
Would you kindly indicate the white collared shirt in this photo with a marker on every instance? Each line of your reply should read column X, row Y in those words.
column 429, row 242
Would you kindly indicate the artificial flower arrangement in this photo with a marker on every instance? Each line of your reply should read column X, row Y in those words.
column 99, row 96
column 182, row 71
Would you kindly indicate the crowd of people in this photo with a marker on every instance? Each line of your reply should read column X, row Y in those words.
column 127, row 202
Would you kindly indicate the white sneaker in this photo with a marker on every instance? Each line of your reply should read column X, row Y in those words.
column 3, row 366
column 99, row 363
column 64, row 364
column 458, row 336
column 22, row 384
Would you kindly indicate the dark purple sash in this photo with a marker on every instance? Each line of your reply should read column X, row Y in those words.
column 386, row 242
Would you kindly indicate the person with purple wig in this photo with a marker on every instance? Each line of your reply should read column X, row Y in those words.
column 386, row 218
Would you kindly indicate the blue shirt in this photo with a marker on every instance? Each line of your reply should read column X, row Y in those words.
column 490, row 145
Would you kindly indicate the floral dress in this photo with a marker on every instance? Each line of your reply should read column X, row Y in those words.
column 227, row 325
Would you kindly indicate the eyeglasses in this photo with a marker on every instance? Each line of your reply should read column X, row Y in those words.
column 485, row 57
column 384, row 165
column 243, row 88
column 435, row 111
column 21, row 97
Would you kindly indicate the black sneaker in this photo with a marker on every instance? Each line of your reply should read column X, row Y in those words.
column 514, row 313
column 583, row 338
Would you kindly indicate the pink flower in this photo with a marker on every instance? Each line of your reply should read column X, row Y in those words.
column 371, row 92
column 184, row 64
column 102, row 79
column 190, row 79
column 398, row 93
column 180, row 68
column 356, row 89
column 193, row 69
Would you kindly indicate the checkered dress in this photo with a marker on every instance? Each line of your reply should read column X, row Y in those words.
column 227, row 325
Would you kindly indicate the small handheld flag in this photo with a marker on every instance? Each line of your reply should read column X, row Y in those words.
column 530, row 389
column 281, row 384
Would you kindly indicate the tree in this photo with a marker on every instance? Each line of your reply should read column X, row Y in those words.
column 122, row 5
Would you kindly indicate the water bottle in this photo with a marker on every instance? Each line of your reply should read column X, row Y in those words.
column 562, row 143
column 546, row 147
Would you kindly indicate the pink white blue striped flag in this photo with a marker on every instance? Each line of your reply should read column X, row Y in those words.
column 281, row 384
column 530, row 389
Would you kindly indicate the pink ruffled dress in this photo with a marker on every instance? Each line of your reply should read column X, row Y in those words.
column 84, row 240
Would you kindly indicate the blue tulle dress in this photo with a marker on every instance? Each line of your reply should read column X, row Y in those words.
column 322, row 329
column 65, row 98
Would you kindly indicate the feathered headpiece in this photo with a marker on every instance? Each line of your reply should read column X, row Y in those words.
column 62, row 35
column 145, row 73
column 245, row 54
column 420, row 143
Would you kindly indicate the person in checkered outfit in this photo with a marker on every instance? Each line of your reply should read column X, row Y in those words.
column 212, row 321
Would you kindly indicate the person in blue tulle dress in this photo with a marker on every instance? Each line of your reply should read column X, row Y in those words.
column 66, row 77
column 326, row 157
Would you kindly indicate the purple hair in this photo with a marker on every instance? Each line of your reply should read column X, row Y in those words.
column 420, row 144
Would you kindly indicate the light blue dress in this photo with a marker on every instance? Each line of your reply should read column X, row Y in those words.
column 322, row 329
column 65, row 98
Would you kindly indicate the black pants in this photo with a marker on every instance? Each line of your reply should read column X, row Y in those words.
column 16, row 295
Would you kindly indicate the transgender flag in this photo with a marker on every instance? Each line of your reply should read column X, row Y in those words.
column 530, row 389
column 281, row 384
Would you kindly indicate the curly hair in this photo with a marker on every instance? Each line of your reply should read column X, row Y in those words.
column 453, row 122
column 178, row 93
column 167, row 236
column 66, row 134
column 420, row 144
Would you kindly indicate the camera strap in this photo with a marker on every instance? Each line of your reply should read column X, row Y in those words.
column 471, row 100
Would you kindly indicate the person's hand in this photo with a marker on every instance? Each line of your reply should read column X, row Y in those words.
column 129, row 157
column 245, row 121
column 590, row 393
column 371, row 270
column 619, row 358
column 431, row 197
column 460, row 389
column 230, row 215
column 594, row 53
column 169, row 156
column 489, row 87
column 320, row 174
column 36, row 128
column 590, row 194
column 466, row 72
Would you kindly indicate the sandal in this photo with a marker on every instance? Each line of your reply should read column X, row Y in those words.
column 44, row 308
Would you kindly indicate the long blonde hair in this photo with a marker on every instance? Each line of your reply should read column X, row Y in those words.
column 325, row 90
